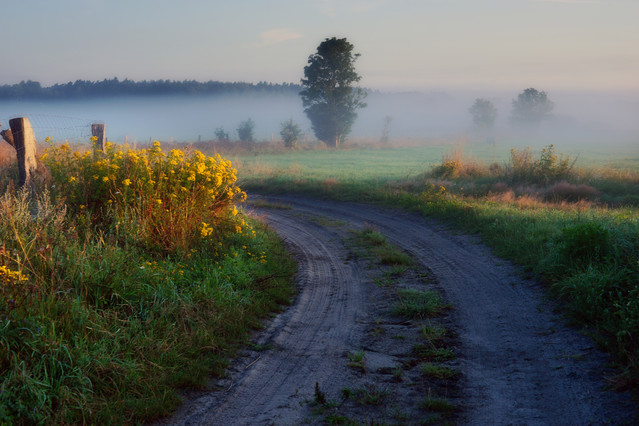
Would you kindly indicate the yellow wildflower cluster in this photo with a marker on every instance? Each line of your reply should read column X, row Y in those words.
column 206, row 230
column 7, row 276
column 171, row 193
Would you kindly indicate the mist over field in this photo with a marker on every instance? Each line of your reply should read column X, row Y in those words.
column 579, row 118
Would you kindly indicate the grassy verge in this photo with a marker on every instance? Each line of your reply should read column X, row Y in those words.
column 582, row 240
column 110, row 300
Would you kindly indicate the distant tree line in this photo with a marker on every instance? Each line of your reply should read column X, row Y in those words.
column 114, row 87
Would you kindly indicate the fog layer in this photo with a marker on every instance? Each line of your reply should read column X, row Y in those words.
column 577, row 117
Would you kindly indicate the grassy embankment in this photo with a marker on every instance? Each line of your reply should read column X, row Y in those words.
column 575, row 228
column 123, row 277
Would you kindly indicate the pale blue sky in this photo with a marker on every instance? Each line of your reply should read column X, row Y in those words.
column 405, row 44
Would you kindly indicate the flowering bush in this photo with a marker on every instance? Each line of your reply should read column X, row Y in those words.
column 162, row 200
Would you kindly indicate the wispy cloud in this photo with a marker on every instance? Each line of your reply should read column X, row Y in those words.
column 277, row 35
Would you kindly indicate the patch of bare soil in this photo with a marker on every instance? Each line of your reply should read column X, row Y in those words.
column 500, row 355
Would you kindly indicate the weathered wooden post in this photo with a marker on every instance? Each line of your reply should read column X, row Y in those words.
column 97, row 130
column 24, row 142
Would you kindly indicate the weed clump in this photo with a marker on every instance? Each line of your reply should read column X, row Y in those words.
column 417, row 304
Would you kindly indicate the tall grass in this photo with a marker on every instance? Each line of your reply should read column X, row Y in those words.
column 111, row 300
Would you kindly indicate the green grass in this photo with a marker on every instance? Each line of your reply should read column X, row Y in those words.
column 378, row 247
column 357, row 359
column 440, row 405
column 587, row 251
column 437, row 371
column 367, row 395
column 417, row 304
column 99, row 325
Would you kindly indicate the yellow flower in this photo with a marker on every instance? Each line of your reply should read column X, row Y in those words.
column 158, row 201
column 206, row 230
column 105, row 179
column 71, row 178
column 126, row 182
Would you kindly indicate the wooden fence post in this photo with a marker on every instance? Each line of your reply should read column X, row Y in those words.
column 25, row 145
column 97, row 130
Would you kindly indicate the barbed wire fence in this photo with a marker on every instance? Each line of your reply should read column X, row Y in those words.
column 58, row 128
column 25, row 133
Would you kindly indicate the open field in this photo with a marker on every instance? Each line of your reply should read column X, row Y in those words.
column 362, row 160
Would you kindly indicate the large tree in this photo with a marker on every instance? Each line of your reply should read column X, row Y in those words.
column 531, row 107
column 329, row 98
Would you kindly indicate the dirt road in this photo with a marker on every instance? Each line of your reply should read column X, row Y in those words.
column 519, row 363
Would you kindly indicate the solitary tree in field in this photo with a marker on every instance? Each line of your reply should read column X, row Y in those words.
column 531, row 107
column 290, row 133
column 329, row 98
column 484, row 114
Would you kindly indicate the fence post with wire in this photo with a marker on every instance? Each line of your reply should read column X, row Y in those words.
column 97, row 130
column 20, row 135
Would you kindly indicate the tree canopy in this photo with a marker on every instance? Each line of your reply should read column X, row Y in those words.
column 82, row 89
column 484, row 113
column 328, row 95
column 531, row 107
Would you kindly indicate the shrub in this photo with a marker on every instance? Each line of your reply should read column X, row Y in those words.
column 564, row 191
column 548, row 168
column 163, row 201
column 448, row 169
column 290, row 133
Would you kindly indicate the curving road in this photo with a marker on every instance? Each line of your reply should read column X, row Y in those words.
column 520, row 362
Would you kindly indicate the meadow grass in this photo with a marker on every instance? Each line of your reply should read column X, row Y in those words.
column 124, row 277
column 574, row 227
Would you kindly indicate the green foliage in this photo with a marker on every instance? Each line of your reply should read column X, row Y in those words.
column 550, row 167
column 328, row 95
column 531, row 107
column 357, row 359
column 580, row 245
column 380, row 249
column 163, row 201
column 484, row 113
column 95, row 329
column 290, row 132
column 245, row 131
column 417, row 304
column 437, row 371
